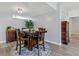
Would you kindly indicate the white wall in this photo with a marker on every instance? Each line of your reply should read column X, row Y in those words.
column 52, row 24
column 74, row 13
column 74, row 21
column 51, row 21
column 6, row 20
column 63, row 13
column 75, row 24
column 53, row 5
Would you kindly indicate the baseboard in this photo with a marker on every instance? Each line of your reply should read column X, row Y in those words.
column 2, row 41
column 53, row 42
column 45, row 40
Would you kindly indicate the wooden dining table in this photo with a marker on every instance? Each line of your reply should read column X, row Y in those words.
column 30, row 40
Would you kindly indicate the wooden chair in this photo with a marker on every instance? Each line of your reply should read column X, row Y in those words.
column 39, row 38
column 20, row 40
column 42, row 32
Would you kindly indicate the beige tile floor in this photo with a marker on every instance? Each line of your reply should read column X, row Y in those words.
column 72, row 49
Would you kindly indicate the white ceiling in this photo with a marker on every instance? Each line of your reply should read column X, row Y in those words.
column 33, row 8
column 70, row 5
column 29, row 8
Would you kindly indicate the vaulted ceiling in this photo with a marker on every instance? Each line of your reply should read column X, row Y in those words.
column 34, row 8
column 29, row 8
column 70, row 5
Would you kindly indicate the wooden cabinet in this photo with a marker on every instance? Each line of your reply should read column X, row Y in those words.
column 10, row 35
column 65, row 32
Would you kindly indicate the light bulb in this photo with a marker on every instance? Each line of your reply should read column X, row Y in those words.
column 19, row 10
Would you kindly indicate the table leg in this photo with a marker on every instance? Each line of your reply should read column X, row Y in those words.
column 30, row 44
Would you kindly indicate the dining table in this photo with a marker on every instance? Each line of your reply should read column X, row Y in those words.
column 30, row 40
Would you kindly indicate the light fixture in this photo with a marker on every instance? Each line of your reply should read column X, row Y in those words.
column 19, row 15
column 20, row 10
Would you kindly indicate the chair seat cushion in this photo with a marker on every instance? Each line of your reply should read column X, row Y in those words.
column 40, row 42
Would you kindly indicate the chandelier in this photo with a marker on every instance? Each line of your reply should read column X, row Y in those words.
column 19, row 15
column 20, row 11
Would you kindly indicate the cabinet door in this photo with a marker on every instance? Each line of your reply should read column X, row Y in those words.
column 63, row 37
column 64, row 32
column 11, row 35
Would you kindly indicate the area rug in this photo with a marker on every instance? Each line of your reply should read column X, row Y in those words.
column 34, row 52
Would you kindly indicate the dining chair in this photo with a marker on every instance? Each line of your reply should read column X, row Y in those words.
column 39, row 38
column 20, row 40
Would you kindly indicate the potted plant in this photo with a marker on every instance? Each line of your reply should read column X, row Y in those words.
column 8, row 27
column 29, row 24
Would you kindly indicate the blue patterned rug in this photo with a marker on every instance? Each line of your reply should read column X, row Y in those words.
column 34, row 52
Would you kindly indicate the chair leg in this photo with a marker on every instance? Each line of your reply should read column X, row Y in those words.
column 24, row 43
column 16, row 45
column 38, row 46
column 43, row 47
column 38, row 49
column 20, row 48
